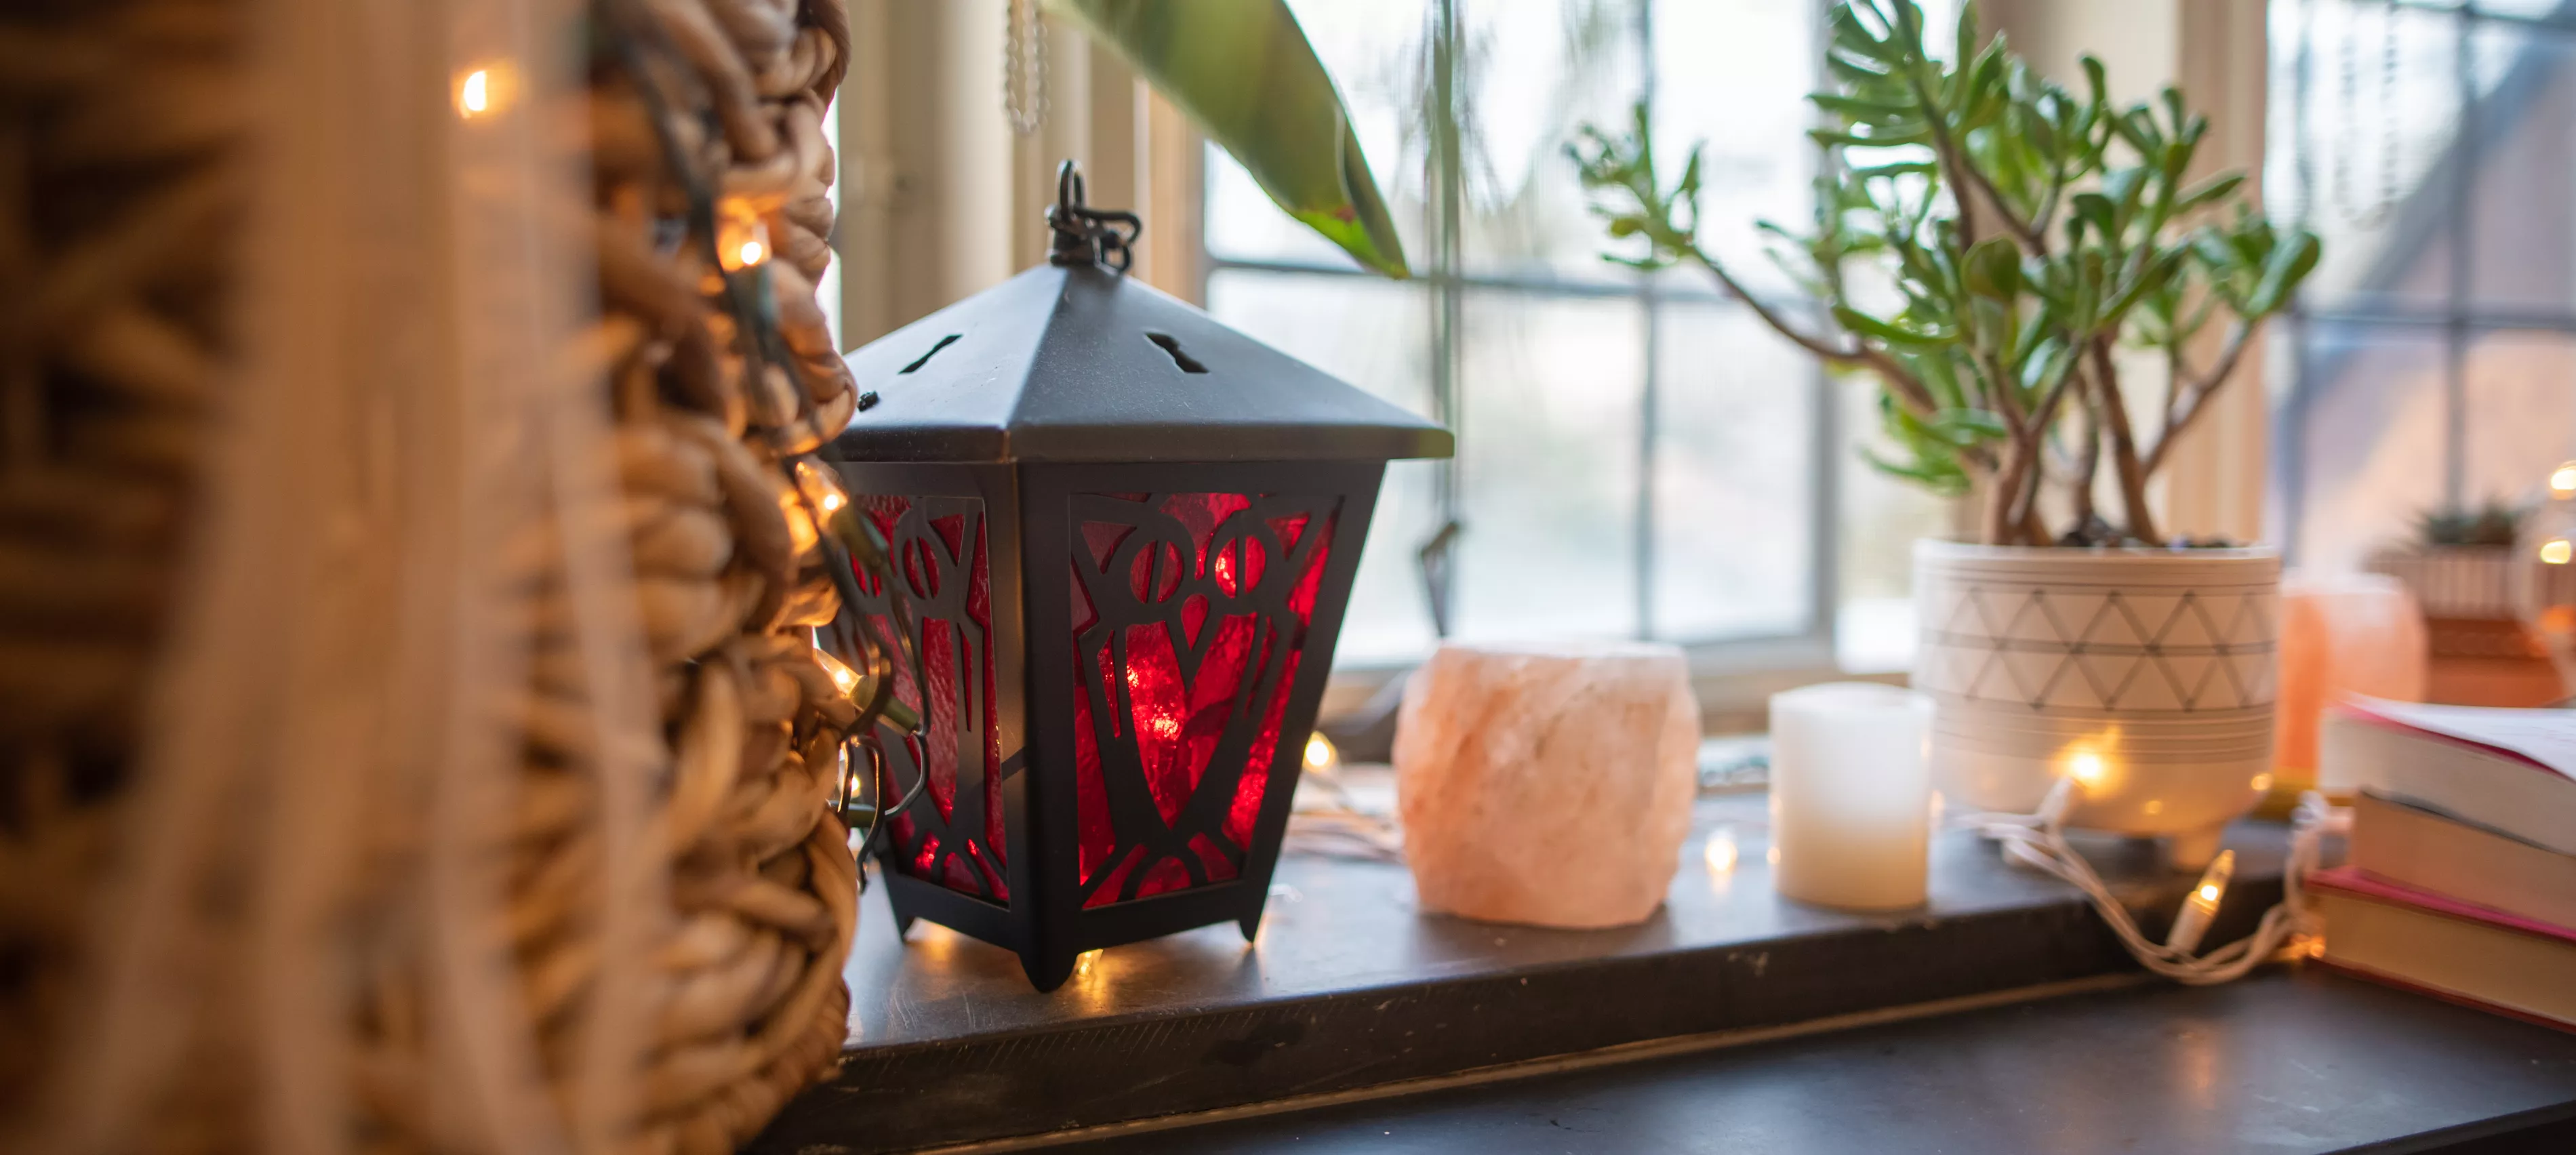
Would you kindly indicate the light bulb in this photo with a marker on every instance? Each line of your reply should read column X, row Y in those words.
column 2086, row 768
column 742, row 237
column 484, row 89
column 843, row 677
column 2556, row 551
column 819, row 487
column 1321, row 756
column 1721, row 851
column 1082, row 962
column 2192, row 921
column 2562, row 481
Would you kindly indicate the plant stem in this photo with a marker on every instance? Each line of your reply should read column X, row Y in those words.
column 2192, row 400
column 1908, row 389
column 2124, row 445
column 2088, row 463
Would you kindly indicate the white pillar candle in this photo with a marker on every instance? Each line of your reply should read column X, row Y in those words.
column 1851, row 795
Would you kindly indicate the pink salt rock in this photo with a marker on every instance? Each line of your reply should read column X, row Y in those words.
column 1549, row 785
column 2341, row 634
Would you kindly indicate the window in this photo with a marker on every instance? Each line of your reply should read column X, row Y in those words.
column 1638, row 457
column 2431, row 361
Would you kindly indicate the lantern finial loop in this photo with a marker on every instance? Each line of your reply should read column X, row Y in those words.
column 1085, row 235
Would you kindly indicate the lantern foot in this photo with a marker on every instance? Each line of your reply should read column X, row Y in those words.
column 902, row 926
column 1048, row 972
column 1250, row 924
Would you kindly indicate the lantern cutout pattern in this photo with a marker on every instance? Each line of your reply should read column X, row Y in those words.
column 1124, row 536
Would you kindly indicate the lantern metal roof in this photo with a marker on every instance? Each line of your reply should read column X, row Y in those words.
column 1076, row 362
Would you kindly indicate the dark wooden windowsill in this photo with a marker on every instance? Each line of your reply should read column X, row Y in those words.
column 1352, row 994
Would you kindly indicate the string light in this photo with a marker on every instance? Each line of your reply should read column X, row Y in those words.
column 1322, row 757
column 483, row 90
column 2562, row 481
column 2038, row 840
column 742, row 237
column 820, row 488
column 1721, row 852
column 2557, row 551
column 2192, row 921
column 1082, row 962
column 844, row 679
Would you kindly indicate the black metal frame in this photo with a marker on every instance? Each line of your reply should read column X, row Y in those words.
column 1031, row 521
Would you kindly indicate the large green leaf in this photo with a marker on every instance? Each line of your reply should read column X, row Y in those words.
column 1243, row 71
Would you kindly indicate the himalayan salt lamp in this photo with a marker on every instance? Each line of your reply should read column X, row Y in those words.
column 1549, row 785
column 2340, row 634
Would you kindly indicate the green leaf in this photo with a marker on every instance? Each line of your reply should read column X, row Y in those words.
column 1993, row 269
column 1243, row 71
column 2208, row 192
column 2290, row 263
column 1869, row 326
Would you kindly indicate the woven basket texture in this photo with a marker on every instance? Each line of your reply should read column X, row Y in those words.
column 128, row 150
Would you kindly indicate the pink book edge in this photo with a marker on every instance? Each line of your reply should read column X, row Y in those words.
column 2360, row 884
column 2358, row 712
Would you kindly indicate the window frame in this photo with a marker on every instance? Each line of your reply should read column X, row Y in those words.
column 2459, row 318
column 1806, row 652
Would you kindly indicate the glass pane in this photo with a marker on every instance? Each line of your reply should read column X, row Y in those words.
column 2366, row 106
column 2521, row 414
column 2522, row 210
column 1372, row 333
column 2363, row 452
column 1881, row 517
column 1548, row 467
column 1735, row 74
column 1734, row 477
column 1530, row 72
column 1378, row 55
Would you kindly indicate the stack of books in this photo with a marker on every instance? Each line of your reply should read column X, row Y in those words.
column 2461, row 875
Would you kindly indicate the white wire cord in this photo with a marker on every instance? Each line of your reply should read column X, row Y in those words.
column 1338, row 825
column 2039, row 841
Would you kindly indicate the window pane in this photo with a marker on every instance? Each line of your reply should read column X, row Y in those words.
column 2364, row 452
column 1377, row 54
column 2522, row 413
column 1548, row 466
column 1372, row 333
column 1881, row 517
column 1735, row 74
column 1531, row 71
column 2522, row 212
column 2360, row 152
column 1734, row 477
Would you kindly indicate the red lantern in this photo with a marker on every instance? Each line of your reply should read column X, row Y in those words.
column 1125, row 535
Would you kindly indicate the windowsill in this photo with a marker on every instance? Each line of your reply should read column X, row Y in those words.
column 1350, row 987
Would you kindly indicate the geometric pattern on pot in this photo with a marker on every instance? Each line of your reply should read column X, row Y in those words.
column 2083, row 650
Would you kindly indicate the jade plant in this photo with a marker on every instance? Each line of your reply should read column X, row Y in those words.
column 1985, row 244
column 2497, row 524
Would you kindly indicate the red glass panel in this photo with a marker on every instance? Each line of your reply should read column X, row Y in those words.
column 1190, row 613
column 942, row 561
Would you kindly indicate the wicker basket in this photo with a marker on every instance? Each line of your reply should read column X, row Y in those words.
column 126, row 181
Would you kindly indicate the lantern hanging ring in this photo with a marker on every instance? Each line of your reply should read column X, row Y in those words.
column 1085, row 235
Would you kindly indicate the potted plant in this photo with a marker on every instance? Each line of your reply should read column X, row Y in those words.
column 1986, row 244
column 2486, row 583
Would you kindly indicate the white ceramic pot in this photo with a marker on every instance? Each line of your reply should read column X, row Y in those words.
column 2147, row 673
